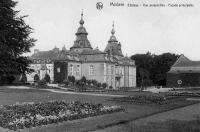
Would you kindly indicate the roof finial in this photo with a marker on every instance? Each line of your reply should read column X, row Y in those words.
column 113, row 29
column 113, row 24
column 81, row 21
column 82, row 14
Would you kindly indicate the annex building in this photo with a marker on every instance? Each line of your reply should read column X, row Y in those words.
column 184, row 73
column 109, row 66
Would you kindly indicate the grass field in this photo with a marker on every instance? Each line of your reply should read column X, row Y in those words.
column 132, row 111
column 171, row 126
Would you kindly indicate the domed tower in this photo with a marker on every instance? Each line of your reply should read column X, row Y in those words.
column 81, row 41
column 113, row 47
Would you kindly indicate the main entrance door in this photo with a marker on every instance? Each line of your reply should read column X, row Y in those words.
column 60, row 71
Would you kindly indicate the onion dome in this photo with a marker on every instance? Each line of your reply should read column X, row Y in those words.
column 81, row 36
column 113, row 47
column 112, row 37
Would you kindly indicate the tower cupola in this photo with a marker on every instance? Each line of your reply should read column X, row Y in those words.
column 81, row 41
column 113, row 47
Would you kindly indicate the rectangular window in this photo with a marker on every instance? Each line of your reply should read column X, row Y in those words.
column 112, row 70
column 71, row 70
column 91, row 70
column 58, row 69
column 77, row 70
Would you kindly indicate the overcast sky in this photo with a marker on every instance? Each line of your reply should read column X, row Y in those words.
column 139, row 30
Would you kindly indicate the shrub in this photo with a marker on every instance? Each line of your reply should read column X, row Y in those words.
column 66, row 82
column 83, row 79
column 80, row 83
column 88, row 82
column 71, row 79
column 42, row 82
column 47, row 78
column 99, row 85
column 36, row 78
column 104, row 85
column 110, row 87
column 94, row 82
column 23, row 79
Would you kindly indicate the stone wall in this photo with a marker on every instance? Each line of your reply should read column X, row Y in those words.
column 98, row 71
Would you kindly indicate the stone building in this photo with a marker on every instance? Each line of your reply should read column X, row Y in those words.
column 184, row 73
column 109, row 66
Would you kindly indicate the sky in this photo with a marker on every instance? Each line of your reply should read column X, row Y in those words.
column 139, row 29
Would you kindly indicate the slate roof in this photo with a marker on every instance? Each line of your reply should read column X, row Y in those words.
column 91, row 51
column 44, row 55
column 81, row 37
column 185, row 65
column 113, row 47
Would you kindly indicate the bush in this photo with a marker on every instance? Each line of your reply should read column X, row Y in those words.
column 88, row 82
column 66, row 82
column 99, row 85
column 80, row 83
column 36, row 78
column 104, row 85
column 47, row 78
column 83, row 79
column 94, row 82
column 71, row 79
column 42, row 82
column 23, row 79
column 110, row 87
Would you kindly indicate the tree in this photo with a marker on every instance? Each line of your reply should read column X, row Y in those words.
column 162, row 65
column 83, row 79
column 71, row 79
column 15, row 40
column 152, row 69
column 36, row 78
column 23, row 78
column 144, row 63
column 144, row 76
column 47, row 78
column 104, row 85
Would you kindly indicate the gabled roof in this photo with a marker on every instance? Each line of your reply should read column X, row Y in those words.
column 44, row 55
column 185, row 65
column 185, row 62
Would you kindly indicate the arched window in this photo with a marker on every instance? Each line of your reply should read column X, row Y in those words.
column 77, row 70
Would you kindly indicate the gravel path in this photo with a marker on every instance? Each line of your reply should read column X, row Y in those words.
column 83, row 93
column 185, row 113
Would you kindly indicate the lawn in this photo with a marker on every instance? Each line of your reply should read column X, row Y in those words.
column 171, row 126
column 132, row 110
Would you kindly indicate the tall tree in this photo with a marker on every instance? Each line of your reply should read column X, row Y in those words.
column 152, row 69
column 15, row 40
column 162, row 65
column 144, row 64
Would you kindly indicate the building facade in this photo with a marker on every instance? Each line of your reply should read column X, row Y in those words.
column 184, row 73
column 109, row 66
